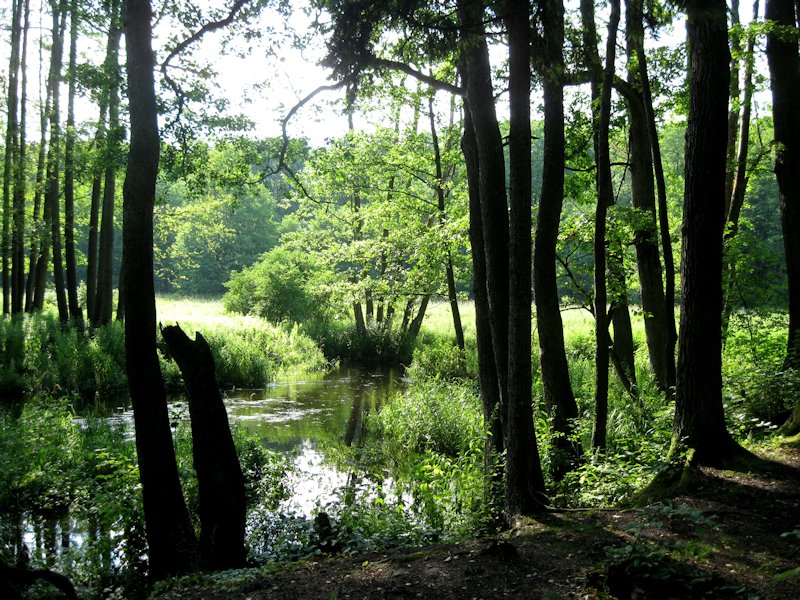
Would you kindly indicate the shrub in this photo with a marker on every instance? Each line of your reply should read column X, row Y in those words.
column 284, row 285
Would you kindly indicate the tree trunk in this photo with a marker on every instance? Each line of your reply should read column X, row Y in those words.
column 699, row 417
column 440, row 203
column 558, row 396
column 487, row 367
column 171, row 541
column 525, row 490
column 733, row 106
column 784, row 69
column 601, row 99
column 219, row 476
column 40, row 247
column 20, row 180
column 643, row 198
column 11, row 150
column 52, row 189
column 75, row 311
column 479, row 95
column 104, row 300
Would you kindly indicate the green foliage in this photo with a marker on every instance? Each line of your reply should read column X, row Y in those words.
column 284, row 285
column 377, row 345
column 442, row 416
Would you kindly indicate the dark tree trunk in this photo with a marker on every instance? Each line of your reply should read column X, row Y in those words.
column 11, row 151
column 784, row 69
column 219, row 475
column 601, row 99
column 104, row 300
column 643, row 198
column 558, row 396
column 40, row 247
column 440, row 203
column 479, row 95
column 487, row 367
column 733, row 113
column 52, row 190
column 75, row 311
column 525, row 491
column 20, row 180
column 172, row 547
column 699, row 417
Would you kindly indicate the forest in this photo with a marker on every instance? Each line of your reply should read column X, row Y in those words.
column 504, row 303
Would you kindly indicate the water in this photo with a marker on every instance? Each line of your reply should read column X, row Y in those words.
column 301, row 418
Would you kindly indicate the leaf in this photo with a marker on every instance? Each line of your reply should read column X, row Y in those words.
column 551, row 595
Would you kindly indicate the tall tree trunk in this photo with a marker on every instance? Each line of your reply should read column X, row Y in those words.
column 525, row 491
column 784, row 69
column 75, row 311
column 440, row 204
column 643, row 198
column 479, row 95
column 739, row 183
column 699, row 418
column 487, row 366
column 40, row 240
column 171, row 540
column 671, row 336
column 558, row 395
column 104, row 300
column 94, row 217
column 11, row 149
column 733, row 107
column 602, row 79
column 20, row 179
column 53, row 189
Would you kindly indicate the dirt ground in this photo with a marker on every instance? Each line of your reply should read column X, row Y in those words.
column 727, row 535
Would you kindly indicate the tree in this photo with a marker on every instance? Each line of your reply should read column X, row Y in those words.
column 170, row 537
column 699, row 422
column 559, row 398
column 784, row 69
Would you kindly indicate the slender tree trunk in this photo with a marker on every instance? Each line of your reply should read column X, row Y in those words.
column 525, row 491
column 20, row 179
column 487, row 366
column 40, row 246
column 739, row 184
column 558, row 395
column 733, row 107
column 601, row 99
column 784, row 69
column 670, row 334
column 104, row 300
column 479, row 95
column 440, row 202
column 53, row 189
column 171, row 541
column 699, row 418
column 75, row 311
column 94, row 218
column 11, row 149
column 643, row 198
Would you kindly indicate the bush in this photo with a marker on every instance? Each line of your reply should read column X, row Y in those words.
column 284, row 285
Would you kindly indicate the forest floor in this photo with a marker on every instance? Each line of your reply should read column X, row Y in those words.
column 726, row 535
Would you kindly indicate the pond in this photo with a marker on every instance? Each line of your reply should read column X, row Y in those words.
column 299, row 418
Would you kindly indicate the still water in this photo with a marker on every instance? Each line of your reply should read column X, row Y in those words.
column 299, row 418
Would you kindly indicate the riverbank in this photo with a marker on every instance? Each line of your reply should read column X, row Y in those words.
column 729, row 535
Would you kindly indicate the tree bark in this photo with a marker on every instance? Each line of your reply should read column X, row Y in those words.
column 699, row 418
column 643, row 198
column 558, row 395
column 20, row 179
column 52, row 189
column 75, row 311
column 784, row 69
column 219, row 475
column 171, row 540
column 104, row 300
column 525, row 490
column 40, row 247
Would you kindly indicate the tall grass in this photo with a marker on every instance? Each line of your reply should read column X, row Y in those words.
column 40, row 356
